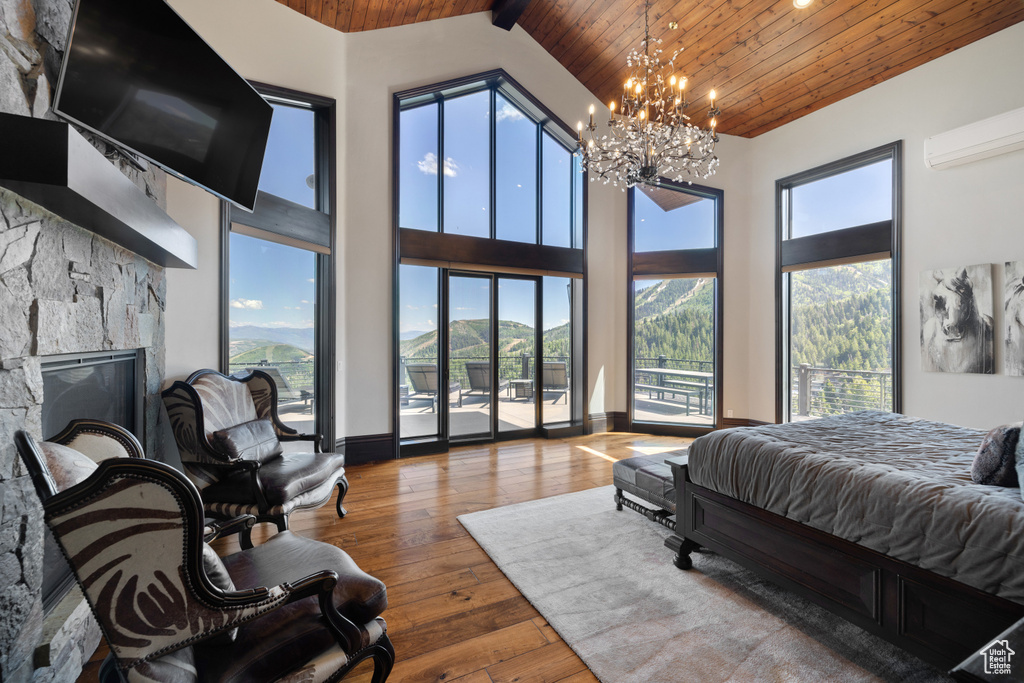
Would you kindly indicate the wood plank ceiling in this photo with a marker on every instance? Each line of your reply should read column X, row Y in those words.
column 769, row 62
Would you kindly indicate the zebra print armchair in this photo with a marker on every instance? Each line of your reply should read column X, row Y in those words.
column 229, row 437
column 170, row 609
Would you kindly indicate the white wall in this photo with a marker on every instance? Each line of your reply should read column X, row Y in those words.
column 266, row 41
column 962, row 216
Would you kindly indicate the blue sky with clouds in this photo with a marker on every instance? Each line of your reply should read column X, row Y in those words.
column 285, row 299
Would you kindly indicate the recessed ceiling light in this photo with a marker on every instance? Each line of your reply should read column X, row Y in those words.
column 673, row 25
column 802, row 4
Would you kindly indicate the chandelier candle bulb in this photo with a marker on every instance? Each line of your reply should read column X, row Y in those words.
column 649, row 135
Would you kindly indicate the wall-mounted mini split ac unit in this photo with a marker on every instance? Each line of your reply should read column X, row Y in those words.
column 988, row 138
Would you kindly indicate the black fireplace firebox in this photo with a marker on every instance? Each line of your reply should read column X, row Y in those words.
column 106, row 385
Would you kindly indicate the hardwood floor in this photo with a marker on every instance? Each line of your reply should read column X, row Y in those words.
column 452, row 614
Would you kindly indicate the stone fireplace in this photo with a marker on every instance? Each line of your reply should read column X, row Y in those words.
column 63, row 290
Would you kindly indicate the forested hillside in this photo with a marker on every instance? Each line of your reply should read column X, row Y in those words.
column 469, row 339
column 841, row 318
column 674, row 318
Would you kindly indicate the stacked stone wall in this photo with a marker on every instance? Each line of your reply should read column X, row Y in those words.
column 63, row 289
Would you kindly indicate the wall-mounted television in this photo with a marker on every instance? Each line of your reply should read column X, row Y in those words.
column 136, row 74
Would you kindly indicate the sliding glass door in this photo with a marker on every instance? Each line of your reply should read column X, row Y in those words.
column 500, row 367
column 517, row 354
column 471, row 391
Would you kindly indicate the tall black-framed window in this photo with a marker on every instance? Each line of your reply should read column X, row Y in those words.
column 278, row 272
column 838, row 287
column 487, row 196
column 675, row 308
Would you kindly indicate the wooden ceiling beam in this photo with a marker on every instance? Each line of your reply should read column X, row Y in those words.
column 505, row 13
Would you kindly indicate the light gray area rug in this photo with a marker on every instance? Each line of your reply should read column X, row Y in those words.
column 604, row 580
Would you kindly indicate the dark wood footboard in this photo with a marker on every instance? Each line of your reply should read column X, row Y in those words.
column 940, row 620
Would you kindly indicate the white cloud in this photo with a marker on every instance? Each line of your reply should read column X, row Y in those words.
column 247, row 304
column 303, row 301
column 509, row 113
column 428, row 165
column 312, row 279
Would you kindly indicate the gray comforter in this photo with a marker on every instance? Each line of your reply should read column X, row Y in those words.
column 898, row 485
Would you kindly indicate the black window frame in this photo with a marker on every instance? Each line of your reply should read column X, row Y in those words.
column 853, row 244
column 452, row 252
column 313, row 226
column 677, row 263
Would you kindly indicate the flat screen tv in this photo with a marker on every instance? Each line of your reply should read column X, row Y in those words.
column 138, row 75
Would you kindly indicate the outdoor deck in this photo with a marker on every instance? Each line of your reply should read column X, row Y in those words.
column 418, row 418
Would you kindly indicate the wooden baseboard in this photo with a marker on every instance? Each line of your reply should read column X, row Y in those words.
column 728, row 422
column 367, row 448
column 608, row 422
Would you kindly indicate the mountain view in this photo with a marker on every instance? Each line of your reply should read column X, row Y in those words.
column 246, row 337
column 674, row 318
column 290, row 349
column 469, row 339
column 841, row 318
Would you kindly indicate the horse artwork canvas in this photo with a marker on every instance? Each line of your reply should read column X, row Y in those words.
column 956, row 320
column 1013, row 317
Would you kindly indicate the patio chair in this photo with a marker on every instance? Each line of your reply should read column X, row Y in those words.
column 424, row 380
column 555, row 378
column 230, row 440
column 170, row 608
column 479, row 372
column 285, row 391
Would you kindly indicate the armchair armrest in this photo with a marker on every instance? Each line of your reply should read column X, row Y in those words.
column 227, row 527
column 240, row 468
column 320, row 585
column 317, row 439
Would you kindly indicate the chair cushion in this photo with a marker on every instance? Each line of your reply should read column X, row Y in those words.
column 226, row 402
column 252, row 440
column 284, row 478
column 289, row 557
column 68, row 466
column 267, row 648
column 216, row 571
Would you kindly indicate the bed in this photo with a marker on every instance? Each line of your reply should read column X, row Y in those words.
column 872, row 515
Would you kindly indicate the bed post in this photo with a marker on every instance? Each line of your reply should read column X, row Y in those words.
column 677, row 542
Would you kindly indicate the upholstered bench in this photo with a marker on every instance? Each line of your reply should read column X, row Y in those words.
column 649, row 478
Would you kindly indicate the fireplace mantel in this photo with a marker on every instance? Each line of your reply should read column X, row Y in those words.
column 51, row 164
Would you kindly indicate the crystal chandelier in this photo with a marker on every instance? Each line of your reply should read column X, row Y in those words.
column 650, row 136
